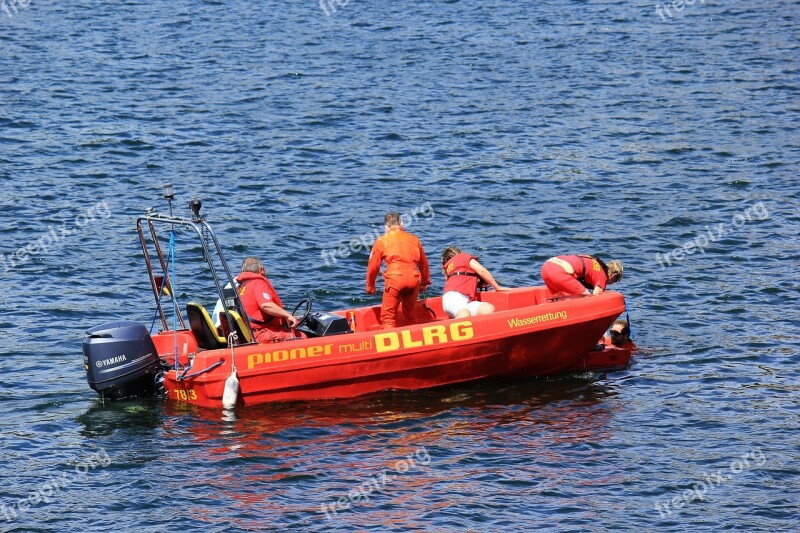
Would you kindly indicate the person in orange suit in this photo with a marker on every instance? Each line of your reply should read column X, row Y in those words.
column 407, row 271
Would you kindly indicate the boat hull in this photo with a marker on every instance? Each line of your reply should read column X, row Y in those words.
column 528, row 335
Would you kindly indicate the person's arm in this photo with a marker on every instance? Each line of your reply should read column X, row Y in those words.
column 424, row 269
column 273, row 309
column 485, row 275
column 599, row 283
column 374, row 265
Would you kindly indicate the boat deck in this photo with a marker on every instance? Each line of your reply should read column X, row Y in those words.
column 430, row 309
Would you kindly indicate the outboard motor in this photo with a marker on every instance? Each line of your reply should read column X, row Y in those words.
column 121, row 360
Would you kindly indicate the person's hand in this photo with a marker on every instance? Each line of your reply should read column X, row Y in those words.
column 502, row 289
column 292, row 321
column 371, row 290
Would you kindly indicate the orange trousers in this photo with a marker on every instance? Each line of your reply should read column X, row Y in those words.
column 266, row 335
column 400, row 291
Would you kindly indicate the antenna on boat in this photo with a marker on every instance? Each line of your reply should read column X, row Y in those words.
column 194, row 207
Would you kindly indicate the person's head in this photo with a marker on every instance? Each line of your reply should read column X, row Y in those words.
column 449, row 253
column 392, row 220
column 253, row 264
column 620, row 333
column 614, row 271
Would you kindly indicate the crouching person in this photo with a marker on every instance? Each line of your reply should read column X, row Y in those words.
column 463, row 274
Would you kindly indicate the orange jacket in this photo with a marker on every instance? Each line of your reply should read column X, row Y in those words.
column 403, row 254
column 627, row 346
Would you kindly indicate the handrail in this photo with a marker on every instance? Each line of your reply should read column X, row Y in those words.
column 198, row 225
column 153, row 284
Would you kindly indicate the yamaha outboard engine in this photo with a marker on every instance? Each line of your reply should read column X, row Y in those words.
column 121, row 360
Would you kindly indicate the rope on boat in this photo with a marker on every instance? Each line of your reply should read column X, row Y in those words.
column 170, row 253
column 230, row 394
column 190, row 376
column 173, row 295
column 628, row 318
column 233, row 340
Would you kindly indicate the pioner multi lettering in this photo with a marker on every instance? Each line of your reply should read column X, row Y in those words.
column 255, row 359
column 382, row 342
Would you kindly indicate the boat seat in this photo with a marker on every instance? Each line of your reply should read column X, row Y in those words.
column 203, row 328
column 238, row 323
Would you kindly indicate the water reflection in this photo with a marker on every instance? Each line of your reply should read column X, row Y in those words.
column 102, row 419
column 289, row 459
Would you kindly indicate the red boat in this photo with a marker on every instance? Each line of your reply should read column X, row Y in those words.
column 346, row 353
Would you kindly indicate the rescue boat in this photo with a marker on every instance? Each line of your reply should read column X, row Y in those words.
column 346, row 352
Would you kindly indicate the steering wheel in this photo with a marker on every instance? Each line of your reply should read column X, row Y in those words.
column 306, row 313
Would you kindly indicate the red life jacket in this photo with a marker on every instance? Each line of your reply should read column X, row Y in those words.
column 461, row 277
column 249, row 284
column 582, row 274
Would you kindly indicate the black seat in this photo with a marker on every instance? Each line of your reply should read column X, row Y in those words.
column 203, row 328
column 230, row 297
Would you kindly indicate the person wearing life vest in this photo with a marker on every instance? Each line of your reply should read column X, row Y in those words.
column 619, row 336
column 269, row 321
column 407, row 271
column 575, row 275
column 463, row 274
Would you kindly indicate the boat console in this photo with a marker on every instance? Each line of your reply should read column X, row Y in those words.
column 324, row 324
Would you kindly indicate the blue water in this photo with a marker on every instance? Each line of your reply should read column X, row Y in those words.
column 516, row 130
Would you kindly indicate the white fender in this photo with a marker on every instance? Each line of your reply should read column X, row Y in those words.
column 231, row 394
